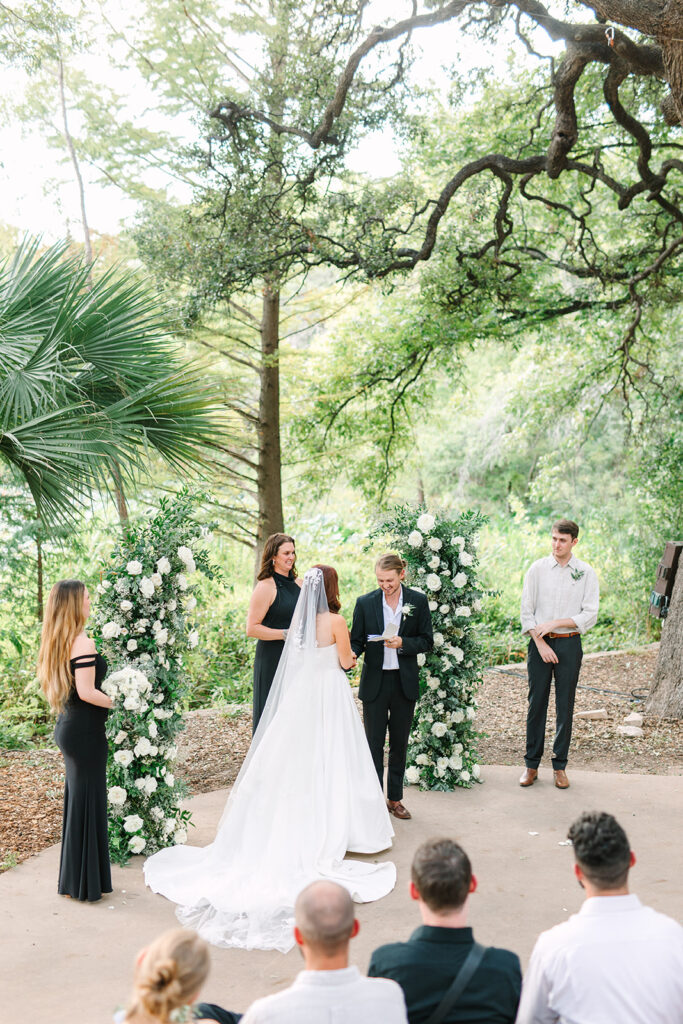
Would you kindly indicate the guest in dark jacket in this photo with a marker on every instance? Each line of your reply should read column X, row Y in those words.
column 427, row 964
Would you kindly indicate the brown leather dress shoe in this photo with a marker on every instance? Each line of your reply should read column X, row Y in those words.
column 561, row 780
column 398, row 810
column 528, row 777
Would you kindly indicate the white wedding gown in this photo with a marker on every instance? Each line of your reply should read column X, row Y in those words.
column 308, row 793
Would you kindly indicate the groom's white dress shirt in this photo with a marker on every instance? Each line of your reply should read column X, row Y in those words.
column 391, row 615
column 332, row 997
column 615, row 962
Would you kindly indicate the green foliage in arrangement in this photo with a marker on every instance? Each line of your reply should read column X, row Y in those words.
column 440, row 551
column 146, row 622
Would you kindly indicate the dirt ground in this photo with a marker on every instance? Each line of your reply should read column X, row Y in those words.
column 213, row 746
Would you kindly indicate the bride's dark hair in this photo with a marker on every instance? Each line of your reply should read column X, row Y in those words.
column 331, row 581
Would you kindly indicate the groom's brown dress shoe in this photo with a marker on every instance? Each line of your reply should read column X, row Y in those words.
column 528, row 777
column 561, row 780
column 398, row 810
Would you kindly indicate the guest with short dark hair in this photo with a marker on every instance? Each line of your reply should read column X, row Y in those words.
column 442, row 957
column 615, row 961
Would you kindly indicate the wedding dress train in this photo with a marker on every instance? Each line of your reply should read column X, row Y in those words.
column 307, row 793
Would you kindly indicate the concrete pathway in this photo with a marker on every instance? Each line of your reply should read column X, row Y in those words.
column 69, row 963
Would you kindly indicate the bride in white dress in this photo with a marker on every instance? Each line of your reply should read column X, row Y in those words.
column 306, row 794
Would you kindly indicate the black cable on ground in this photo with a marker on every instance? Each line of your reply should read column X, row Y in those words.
column 633, row 695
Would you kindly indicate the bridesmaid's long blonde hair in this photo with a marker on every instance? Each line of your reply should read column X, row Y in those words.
column 64, row 620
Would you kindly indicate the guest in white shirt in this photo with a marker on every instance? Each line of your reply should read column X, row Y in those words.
column 616, row 961
column 329, row 991
column 559, row 602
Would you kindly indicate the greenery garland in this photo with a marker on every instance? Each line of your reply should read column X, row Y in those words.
column 440, row 552
column 145, row 621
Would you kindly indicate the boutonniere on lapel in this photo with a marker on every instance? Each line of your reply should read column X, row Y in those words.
column 577, row 574
column 408, row 609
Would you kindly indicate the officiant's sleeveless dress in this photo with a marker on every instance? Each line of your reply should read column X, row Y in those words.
column 278, row 616
column 84, row 870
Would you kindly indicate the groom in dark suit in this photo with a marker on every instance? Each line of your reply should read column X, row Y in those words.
column 389, row 682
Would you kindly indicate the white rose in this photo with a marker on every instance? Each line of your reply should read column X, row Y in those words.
column 412, row 775
column 441, row 694
column 139, row 784
column 141, row 625
column 464, row 776
column 458, row 654
column 433, row 582
column 161, row 636
column 439, row 729
column 190, row 603
column 105, row 584
column 123, row 757
column 433, row 606
column 459, row 580
column 465, row 558
column 180, row 836
column 181, row 581
column 110, row 630
column 134, row 568
column 455, row 762
column 426, row 522
column 152, row 729
column 132, row 645
column 434, row 562
column 458, row 717
column 435, row 544
column 157, row 813
column 157, row 579
column 463, row 611
column 458, row 542
column 142, row 747
column 132, row 823
column 438, row 640
column 193, row 638
column 442, row 763
column 131, row 703
column 171, row 605
column 117, row 796
column 163, row 565
column 126, row 606
column 421, row 759
column 146, row 587
column 477, row 605
column 137, row 844
column 476, row 771
column 169, row 825
column 444, row 609
column 120, row 737
column 421, row 569
column 150, row 784
column 471, row 713
column 415, row 539
column 169, row 779
column 121, row 586
column 421, row 659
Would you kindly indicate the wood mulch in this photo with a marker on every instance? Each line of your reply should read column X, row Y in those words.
column 214, row 743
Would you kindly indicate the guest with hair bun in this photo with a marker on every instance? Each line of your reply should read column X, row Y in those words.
column 168, row 976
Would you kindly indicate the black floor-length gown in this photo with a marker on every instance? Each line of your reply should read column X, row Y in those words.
column 278, row 616
column 84, row 870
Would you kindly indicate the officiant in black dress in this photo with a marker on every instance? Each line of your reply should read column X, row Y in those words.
column 270, row 613
column 390, row 680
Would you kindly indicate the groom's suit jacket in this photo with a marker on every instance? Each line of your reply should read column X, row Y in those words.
column 415, row 631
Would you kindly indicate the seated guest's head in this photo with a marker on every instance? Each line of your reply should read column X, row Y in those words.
column 441, row 881
column 325, row 924
column 602, row 852
column 168, row 975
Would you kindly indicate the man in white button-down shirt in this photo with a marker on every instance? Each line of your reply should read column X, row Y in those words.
column 329, row 991
column 559, row 602
column 616, row 961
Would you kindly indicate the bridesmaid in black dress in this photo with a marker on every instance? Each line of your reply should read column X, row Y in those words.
column 270, row 613
column 71, row 674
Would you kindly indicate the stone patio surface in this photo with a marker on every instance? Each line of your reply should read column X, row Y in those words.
column 64, row 962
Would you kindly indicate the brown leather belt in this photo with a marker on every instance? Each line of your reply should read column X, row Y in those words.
column 559, row 636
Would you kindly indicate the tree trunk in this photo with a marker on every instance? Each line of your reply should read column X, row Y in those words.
column 666, row 695
column 269, row 474
column 119, row 494
column 77, row 170
column 39, row 579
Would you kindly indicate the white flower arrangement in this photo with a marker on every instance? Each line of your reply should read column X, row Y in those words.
column 426, row 522
column 147, row 606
